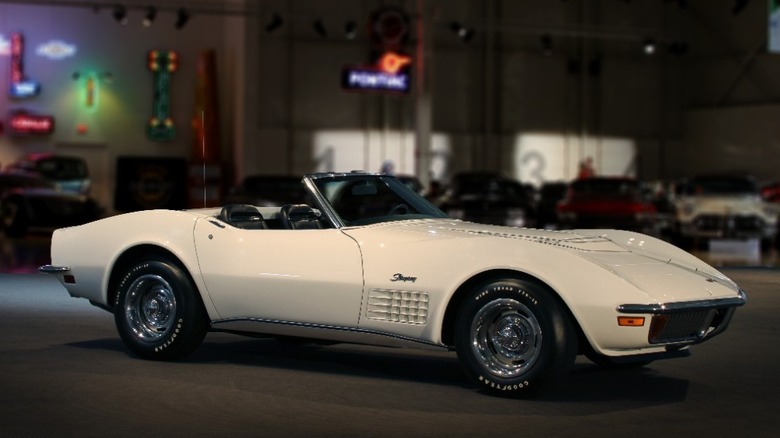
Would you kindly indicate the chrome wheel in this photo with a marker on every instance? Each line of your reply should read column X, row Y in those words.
column 150, row 307
column 506, row 338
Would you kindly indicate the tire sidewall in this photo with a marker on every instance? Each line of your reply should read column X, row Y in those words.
column 557, row 351
column 189, row 326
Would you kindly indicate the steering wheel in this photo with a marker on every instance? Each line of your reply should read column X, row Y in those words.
column 399, row 209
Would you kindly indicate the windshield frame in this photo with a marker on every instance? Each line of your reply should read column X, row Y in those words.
column 423, row 209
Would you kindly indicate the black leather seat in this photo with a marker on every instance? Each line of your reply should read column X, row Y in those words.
column 242, row 216
column 299, row 217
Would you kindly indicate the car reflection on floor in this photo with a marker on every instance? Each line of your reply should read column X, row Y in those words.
column 25, row 255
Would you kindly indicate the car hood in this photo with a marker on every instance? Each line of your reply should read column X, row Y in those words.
column 663, row 271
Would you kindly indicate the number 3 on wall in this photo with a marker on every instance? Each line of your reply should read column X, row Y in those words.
column 162, row 64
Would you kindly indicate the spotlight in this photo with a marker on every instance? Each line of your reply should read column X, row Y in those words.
column 319, row 27
column 649, row 46
column 151, row 14
column 547, row 44
column 275, row 23
column 678, row 48
column 120, row 15
column 463, row 32
column 350, row 30
column 182, row 17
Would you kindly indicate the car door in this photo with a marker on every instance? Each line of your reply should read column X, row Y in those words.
column 305, row 276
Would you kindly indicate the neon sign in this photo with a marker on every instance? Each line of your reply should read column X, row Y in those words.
column 162, row 64
column 56, row 50
column 390, row 74
column 24, row 123
column 21, row 87
column 5, row 46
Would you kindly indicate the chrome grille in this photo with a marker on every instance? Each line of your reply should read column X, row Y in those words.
column 681, row 326
column 398, row 306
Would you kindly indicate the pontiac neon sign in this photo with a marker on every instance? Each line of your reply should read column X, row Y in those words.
column 21, row 87
column 390, row 74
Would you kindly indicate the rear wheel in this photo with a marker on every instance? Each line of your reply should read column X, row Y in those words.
column 513, row 336
column 158, row 311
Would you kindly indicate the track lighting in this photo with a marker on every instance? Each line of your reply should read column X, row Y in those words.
column 120, row 15
column 319, row 27
column 463, row 32
column 547, row 44
column 275, row 23
column 182, row 17
column 151, row 14
column 649, row 46
column 350, row 30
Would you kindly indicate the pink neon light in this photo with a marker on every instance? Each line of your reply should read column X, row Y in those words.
column 31, row 124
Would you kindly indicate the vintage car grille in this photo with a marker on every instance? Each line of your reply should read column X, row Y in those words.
column 683, row 326
column 398, row 306
column 712, row 222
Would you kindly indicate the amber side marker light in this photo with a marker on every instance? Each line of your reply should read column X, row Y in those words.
column 631, row 321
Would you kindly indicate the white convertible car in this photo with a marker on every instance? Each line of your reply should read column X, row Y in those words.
column 368, row 260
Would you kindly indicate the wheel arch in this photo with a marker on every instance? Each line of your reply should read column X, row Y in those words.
column 454, row 304
column 133, row 254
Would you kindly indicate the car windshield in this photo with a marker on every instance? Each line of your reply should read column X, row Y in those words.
column 62, row 168
column 719, row 186
column 362, row 199
column 605, row 188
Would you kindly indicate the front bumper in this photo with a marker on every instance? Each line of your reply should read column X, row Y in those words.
column 728, row 227
column 687, row 322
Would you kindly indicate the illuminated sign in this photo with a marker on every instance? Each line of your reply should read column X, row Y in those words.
column 24, row 123
column 162, row 64
column 5, row 46
column 56, row 50
column 21, row 87
column 390, row 74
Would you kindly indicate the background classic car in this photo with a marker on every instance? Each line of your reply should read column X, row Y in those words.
column 723, row 206
column 357, row 266
column 29, row 202
column 608, row 202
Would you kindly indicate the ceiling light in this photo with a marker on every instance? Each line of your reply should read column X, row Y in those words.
column 275, row 23
column 649, row 46
column 547, row 44
column 350, row 30
column 182, row 17
column 319, row 27
column 120, row 15
column 463, row 32
column 151, row 14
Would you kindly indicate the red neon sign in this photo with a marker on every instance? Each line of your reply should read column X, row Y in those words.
column 20, row 85
column 392, row 62
column 22, row 123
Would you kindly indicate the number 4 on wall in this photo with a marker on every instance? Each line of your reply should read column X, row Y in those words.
column 162, row 64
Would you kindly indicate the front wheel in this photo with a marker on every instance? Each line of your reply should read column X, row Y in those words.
column 513, row 336
column 158, row 311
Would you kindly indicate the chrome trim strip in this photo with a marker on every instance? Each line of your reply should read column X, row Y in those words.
column 51, row 269
column 664, row 308
column 324, row 205
column 320, row 331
